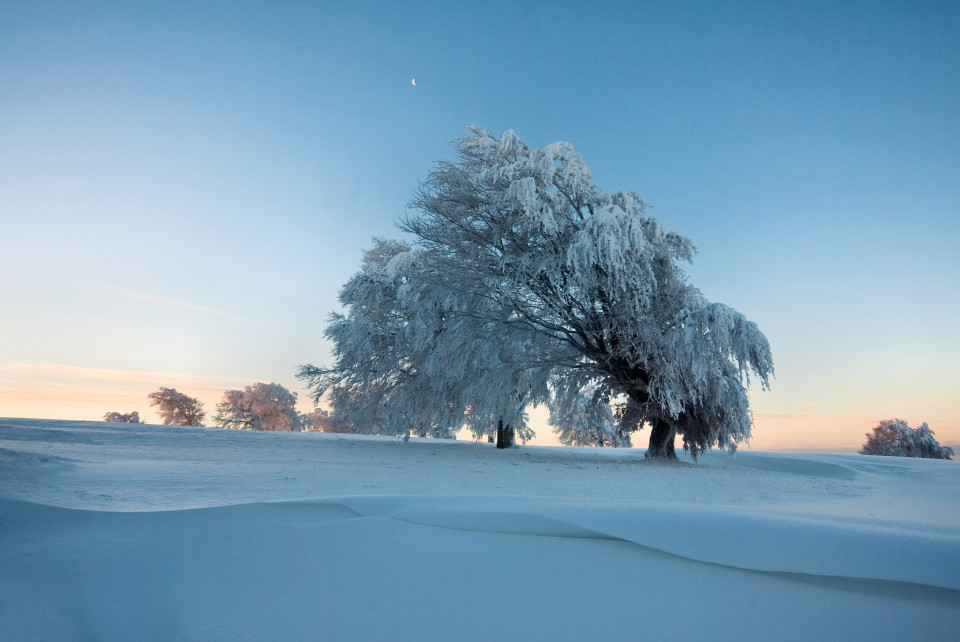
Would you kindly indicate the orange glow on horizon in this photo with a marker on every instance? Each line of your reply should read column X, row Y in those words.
column 59, row 391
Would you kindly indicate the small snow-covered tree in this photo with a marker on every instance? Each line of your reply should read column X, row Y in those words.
column 262, row 406
column 524, row 275
column 895, row 438
column 176, row 408
column 127, row 418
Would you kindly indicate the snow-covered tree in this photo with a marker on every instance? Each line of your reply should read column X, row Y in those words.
column 176, row 408
column 525, row 275
column 895, row 438
column 528, row 230
column 126, row 418
column 262, row 406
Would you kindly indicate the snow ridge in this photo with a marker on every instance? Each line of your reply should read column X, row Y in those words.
column 822, row 546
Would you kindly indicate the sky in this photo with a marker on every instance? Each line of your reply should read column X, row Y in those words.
column 184, row 186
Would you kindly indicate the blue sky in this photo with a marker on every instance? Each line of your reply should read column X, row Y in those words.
column 185, row 186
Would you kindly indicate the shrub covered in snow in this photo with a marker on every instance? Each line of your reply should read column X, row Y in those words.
column 128, row 418
column 894, row 438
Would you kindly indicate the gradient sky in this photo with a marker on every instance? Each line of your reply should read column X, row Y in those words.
column 184, row 186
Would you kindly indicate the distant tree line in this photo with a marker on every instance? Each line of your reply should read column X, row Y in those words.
column 262, row 406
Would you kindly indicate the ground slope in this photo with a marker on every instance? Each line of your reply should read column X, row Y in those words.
column 111, row 531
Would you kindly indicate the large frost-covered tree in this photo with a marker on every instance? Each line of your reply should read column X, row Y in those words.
column 262, row 406
column 895, row 438
column 525, row 277
column 176, row 408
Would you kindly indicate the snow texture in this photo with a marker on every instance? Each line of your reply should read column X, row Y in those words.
column 129, row 531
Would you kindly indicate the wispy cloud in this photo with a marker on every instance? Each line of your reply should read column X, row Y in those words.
column 154, row 298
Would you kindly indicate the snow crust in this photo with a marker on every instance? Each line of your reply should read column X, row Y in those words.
column 126, row 531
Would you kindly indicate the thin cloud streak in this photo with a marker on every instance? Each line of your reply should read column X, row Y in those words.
column 153, row 298
column 66, row 393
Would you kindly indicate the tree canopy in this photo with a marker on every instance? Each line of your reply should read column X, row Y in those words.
column 527, row 284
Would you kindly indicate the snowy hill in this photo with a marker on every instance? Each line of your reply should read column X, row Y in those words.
column 119, row 532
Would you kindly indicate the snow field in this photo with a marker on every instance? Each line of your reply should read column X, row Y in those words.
column 111, row 531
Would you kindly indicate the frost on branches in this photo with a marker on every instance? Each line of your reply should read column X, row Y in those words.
column 527, row 285
column 894, row 438
column 262, row 406
column 584, row 418
column 176, row 408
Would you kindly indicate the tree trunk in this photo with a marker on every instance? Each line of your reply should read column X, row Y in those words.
column 661, row 441
column 504, row 435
